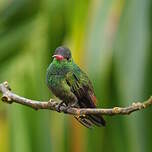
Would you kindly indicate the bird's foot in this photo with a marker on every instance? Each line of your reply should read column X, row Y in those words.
column 69, row 106
column 66, row 106
column 60, row 105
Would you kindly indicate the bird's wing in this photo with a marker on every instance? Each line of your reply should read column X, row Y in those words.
column 81, row 86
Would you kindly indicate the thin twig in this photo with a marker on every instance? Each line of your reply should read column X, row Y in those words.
column 9, row 97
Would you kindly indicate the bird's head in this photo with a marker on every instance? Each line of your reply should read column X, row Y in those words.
column 62, row 54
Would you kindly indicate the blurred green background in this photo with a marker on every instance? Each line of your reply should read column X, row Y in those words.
column 110, row 39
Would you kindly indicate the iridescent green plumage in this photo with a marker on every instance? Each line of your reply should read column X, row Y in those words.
column 70, row 84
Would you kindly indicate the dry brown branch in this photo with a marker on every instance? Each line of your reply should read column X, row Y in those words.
column 9, row 97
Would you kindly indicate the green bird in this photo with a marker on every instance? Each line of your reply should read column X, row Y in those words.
column 71, row 85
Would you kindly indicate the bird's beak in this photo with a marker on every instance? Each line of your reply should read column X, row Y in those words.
column 58, row 57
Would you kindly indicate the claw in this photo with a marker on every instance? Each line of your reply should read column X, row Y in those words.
column 66, row 106
column 59, row 106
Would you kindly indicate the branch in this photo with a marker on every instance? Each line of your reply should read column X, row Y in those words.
column 9, row 97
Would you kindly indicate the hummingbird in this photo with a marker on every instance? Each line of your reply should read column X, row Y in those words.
column 72, row 86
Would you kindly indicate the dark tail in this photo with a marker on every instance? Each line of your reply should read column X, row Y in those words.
column 90, row 120
column 97, row 120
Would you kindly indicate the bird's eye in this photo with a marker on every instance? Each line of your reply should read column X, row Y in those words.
column 68, row 58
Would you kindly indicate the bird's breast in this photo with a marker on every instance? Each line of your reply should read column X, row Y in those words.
column 56, row 81
column 56, row 84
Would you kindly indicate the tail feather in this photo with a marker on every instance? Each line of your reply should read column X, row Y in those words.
column 85, row 122
column 90, row 120
column 97, row 120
